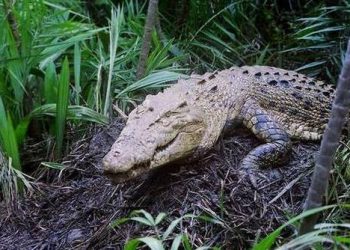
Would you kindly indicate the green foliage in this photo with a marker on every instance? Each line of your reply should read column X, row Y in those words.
column 62, row 106
column 162, row 238
column 218, row 34
column 35, row 86
column 336, row 234
column 8, row 136
column 114, row 33
column 270, row 239
column 48, row 33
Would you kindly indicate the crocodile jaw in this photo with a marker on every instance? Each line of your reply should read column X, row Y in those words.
column 144, row 146
column 124, row 162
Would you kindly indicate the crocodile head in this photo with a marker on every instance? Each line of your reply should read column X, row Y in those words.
column 162, row 130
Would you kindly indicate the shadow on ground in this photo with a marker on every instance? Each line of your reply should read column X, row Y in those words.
column 76, row 209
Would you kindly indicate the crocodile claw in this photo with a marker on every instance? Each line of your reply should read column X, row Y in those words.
column 256, row 178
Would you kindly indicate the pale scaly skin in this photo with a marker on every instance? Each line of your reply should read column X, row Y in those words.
column 185, row 120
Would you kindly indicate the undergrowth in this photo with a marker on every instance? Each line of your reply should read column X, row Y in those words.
column 65, row 64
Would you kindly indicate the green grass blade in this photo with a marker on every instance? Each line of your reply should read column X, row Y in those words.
column 74, row 112
column 50, row 84
column 62, row 107
column 186, row 242
column 53, row 165
column 77, row 66
column 21, row 129
column 270, row 239
column 116, row 22
column 305, row 241
column 8, row 137
column 173, row 225
column 176, row 242
column 152, row 243
column 262, row 58
column 151, row 81
column 9, row 143
column 55, row 48
column 311, row 65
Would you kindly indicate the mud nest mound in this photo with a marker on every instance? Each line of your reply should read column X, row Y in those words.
column 76, row 209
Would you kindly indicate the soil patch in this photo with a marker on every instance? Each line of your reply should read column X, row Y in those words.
column 75, row 211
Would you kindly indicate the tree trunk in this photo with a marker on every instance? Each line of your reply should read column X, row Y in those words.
column 146, row 43
column 329, row 144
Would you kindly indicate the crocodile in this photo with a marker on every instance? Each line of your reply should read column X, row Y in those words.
column 185, row 120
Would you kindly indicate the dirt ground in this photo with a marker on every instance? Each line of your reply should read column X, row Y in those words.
column 76, row 209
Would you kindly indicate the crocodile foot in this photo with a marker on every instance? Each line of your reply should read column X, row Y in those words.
column 260, row 178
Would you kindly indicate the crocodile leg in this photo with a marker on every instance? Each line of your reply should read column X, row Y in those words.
column 277, row 144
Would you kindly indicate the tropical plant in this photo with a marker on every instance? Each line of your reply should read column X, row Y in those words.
column 162, row 238
column 54, row 64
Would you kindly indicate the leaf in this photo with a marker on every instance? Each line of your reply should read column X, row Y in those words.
column 159, row 218
column 176, row 242
column 270, row 239
column 152, row 80
column 53, row 165
column 119, row 222
column 152, row 243
column 8, row 137
column 74, row 113
column 210, row 219
column 114, row 32
column 132, row 244
column 186, row 242
column 173, row 224
column 261, row 59
column 307, row 240
column 310, row 65
column 77, row 67
column 142, row 221
column 56, row 48
column 62, row 107
column 21, row 129
column 147, row 215
column 50, row 84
